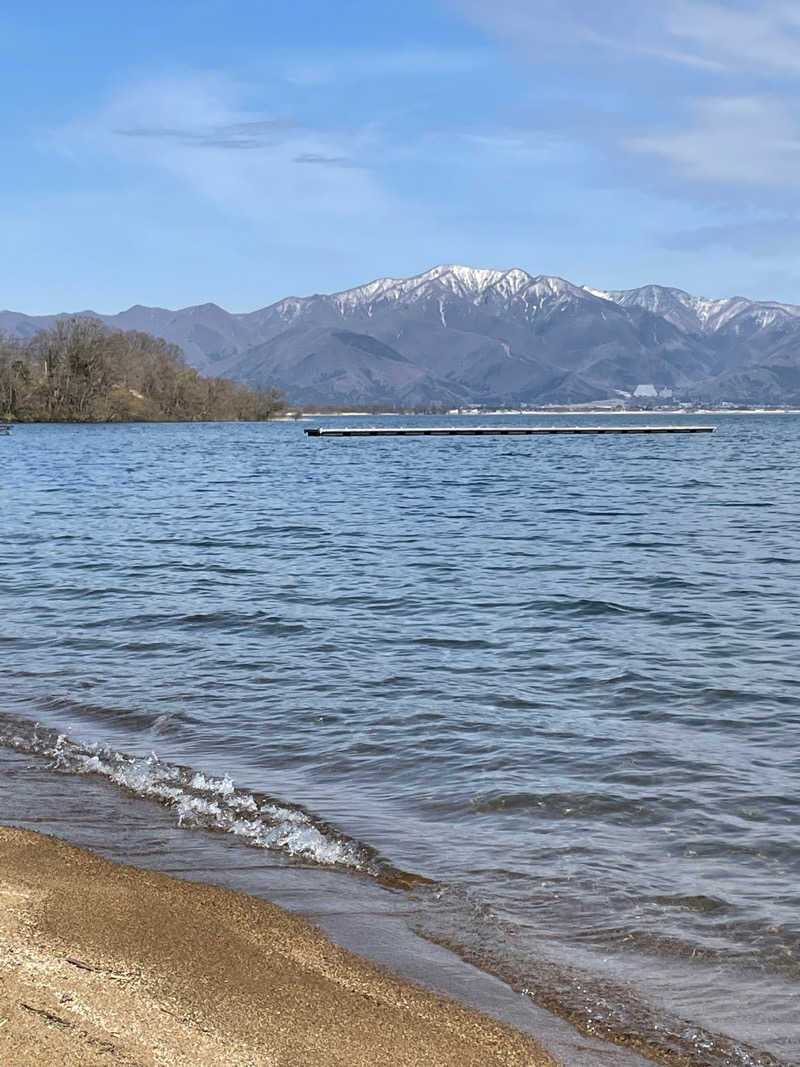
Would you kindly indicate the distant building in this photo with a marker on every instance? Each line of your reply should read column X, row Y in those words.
column 645, row 390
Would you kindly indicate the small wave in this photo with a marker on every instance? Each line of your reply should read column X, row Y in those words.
column 609, row 806
column 698, row 902
column 236, row 621
column 206, row 802
column 164, row 724
column 452, row 642
column 600, row 1008
column 85, row 710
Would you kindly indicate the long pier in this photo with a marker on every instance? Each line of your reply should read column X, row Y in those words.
column 464, row 431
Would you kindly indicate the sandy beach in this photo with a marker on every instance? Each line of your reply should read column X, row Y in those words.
column 106, row 964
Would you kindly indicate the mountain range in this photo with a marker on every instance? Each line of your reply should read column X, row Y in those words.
column 464, row 336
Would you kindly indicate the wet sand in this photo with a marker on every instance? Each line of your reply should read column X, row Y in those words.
column 106, row 964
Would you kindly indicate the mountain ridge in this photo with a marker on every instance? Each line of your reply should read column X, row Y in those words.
column 464, row 335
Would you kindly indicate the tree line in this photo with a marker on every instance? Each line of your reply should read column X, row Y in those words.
column 82, row 371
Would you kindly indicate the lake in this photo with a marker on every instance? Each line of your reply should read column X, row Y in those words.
column 544, row 688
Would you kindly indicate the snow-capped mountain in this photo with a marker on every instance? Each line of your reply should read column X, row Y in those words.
column 697, row 312
column 438, row 287
column 459, row 335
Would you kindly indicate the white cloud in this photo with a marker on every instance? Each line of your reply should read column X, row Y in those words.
column 738, row 63
column 748, row 140
column 193, row 129
column 762, row 36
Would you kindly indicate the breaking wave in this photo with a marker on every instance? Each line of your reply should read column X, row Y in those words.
column 202, row 801
column 444, row 914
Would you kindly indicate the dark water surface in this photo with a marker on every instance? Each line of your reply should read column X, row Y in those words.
column 557, row 677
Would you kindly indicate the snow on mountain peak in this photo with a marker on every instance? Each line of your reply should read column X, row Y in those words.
column 462, row 281
column 601, row 294
column 469, row 281
column 697, row 312
column 472, row 283
column 498, row 290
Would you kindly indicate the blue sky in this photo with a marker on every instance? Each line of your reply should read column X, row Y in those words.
column 242, row 151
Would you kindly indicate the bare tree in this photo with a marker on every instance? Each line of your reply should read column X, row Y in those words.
column 81, row 371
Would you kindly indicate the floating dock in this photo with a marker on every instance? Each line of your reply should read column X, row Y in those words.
column 464, row 431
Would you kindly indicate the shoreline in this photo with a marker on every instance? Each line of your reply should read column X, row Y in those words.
column 98, row 959
column 303, row 416
column 545, row 411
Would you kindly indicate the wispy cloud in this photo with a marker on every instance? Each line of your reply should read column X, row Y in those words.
column 250, row 163
column 259, row 133
column 759, row 238
column 747, row 140
column 327, row 161
column 757, row 37
column 721, row 108
column 761, row 36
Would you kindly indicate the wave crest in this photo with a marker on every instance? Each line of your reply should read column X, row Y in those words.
column 200, row 800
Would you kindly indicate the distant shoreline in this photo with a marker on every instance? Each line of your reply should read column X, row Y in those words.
column 640, row 412
column 494, row 413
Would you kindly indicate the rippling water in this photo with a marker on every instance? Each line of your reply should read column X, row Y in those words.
column 546, row 686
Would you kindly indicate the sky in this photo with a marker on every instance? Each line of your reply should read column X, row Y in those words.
column 240, row 151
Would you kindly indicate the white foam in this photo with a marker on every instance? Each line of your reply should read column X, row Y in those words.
column 223, row 786
column 199, row 800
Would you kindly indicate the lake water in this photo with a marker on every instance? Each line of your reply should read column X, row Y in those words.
column 546, row 689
